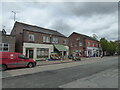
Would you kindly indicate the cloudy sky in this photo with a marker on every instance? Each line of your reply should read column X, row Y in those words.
column 100, row 18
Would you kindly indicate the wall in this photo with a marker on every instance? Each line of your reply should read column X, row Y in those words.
column 73, row 39
column 17, row 31
column 10, row 40
column 39, row 37
column 91, row 43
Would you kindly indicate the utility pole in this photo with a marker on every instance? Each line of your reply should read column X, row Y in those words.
column 14, row 14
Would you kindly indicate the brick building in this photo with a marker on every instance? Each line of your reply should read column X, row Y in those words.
column 37, row 42
column 86, row 45
column 7, row 42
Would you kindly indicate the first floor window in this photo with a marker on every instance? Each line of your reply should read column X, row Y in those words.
column 88, row 43
column 31, row 37
column 42, row 52
column 46, row 39
column 93, row 44
column 71, row 45
column 4, row 47
column 80, row 44
column 54, row 40
column 65, row 41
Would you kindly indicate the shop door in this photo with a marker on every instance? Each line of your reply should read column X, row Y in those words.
column 30, row 53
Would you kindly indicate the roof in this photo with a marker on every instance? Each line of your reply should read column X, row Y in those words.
column 4, row 34
column 85, row 36
column 39, row 29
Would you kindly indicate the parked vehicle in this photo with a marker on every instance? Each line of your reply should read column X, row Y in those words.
column 13, row 60
column 76, row 56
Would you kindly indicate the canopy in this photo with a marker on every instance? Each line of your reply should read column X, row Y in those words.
column 60, row 47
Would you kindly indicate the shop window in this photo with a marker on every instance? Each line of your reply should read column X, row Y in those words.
column 42, row 52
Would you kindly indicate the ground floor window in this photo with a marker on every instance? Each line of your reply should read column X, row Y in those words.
column 4, row 47
column 42, row 52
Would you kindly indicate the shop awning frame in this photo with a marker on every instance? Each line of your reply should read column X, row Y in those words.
column 60, row 47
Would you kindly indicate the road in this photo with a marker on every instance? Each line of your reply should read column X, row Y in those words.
column 64, row 77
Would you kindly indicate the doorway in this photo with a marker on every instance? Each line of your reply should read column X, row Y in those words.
column 29, row 53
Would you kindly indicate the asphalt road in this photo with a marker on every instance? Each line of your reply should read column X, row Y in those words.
column 56, row 78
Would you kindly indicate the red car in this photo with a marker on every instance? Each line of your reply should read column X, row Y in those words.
column 13, row 60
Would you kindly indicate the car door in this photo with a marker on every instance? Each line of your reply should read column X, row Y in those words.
column 11, row 60
column 21, row 61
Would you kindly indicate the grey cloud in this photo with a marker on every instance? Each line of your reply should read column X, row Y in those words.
column 56, row 16
column 62, row 26
column 89, row 8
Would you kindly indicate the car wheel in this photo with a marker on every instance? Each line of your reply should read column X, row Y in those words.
column 4, row 67
column 30, row 65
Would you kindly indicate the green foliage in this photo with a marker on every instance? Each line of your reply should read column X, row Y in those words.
column 118, row 47
column 109, row 46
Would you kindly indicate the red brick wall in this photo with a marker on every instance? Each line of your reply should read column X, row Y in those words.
column 39, row 37
column 91, row 43
column 23, row 36
column 72, row 40
column 17, row 32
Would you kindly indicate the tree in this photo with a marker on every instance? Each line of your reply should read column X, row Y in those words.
column 108, row 46
column 112, row 47
column 104, row 44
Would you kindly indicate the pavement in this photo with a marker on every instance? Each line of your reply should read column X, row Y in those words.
column 42, row 63
column 90, row 73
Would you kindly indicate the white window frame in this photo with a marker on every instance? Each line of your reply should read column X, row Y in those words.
column 42, row 52
column 48, row 39
column 2, row 47
column 31, row 37
column 88, row 43
column 44, row 38
column 80, row 44
column 65, row 41
column 54, row 40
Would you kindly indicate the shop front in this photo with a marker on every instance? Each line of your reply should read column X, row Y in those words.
column 37, row 51
column 61, row 50
column 92, row 52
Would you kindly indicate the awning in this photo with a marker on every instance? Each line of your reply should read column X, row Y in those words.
column 60, row 47
column 77, row 51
